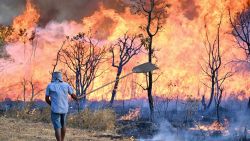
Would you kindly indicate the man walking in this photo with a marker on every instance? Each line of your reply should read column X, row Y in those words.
column 57, row 97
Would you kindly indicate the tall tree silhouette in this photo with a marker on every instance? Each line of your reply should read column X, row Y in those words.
column 213, row 68
column 155, row 12
column 241, row 29
column 122, row 52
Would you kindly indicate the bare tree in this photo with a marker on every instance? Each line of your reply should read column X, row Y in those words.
column 248, row 104
column 58, row 55
column 34, row 41
column 125, row 48
column 35, row 89
column 203, row 102
column 82, row 57
column 23, row 37
column 241, row 29
column 213, row 68
column 155, row 11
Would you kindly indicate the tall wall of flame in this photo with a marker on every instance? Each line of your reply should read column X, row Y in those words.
column 180, row 49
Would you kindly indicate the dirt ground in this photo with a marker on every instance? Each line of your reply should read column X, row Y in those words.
column 20, row 130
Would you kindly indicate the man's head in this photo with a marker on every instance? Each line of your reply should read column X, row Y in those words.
column 57, row 76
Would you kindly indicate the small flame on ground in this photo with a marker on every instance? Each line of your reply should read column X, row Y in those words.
column 214, row 127
column 133, row 114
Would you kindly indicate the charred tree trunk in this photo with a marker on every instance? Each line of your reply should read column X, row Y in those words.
column 116, row 84
column 248, row 105
column 24, row 83
column 203, row 102
column 32, row 91
column 24, row 94
column 150, row 97
column 156, row 13
column 217, row 112
column 126, row 48
column 218, row 98
column 150, row 79
column 212, row 92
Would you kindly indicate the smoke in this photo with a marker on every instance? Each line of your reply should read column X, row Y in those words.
column 165, row 132
column 61, row 10
column 104, row 27
column 10, row 9
column 65, row 10
column 58, row 10
column 190, row 9
column 234, row 116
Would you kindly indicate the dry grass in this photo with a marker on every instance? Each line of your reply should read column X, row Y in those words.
column 101, row 120
column 42, row 115
column 25, row 125
column 12, row 129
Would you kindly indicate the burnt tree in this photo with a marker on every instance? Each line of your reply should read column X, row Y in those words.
column 35, row 90
column 122, row 52
column 213, row 68
column 203, row 102
column 33, row 39
column 82, row 57
column 155, row 12
column 248, row 104
column 241, row 30
column 22, row 34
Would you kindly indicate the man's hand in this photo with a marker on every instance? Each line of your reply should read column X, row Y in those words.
column 73, row 96
column 48, row 100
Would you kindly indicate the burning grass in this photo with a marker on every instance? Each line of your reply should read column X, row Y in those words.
column 135, row 123
column 213, row 128
column 133, row 114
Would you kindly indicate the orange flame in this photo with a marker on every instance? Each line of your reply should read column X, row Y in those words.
column 179, row 49
column 28, row 19
column 215, row 126
column 132, row 114
column 25, row 23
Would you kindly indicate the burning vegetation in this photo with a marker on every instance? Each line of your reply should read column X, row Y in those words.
column 199, row 91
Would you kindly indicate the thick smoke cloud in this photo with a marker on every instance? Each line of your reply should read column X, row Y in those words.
column 190, row 9
column 57, row 10
column 10, row 9
column 60, row 10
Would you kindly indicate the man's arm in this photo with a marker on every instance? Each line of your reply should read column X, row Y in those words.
column 47, row 99
column 73, row 96
column 71, row 93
